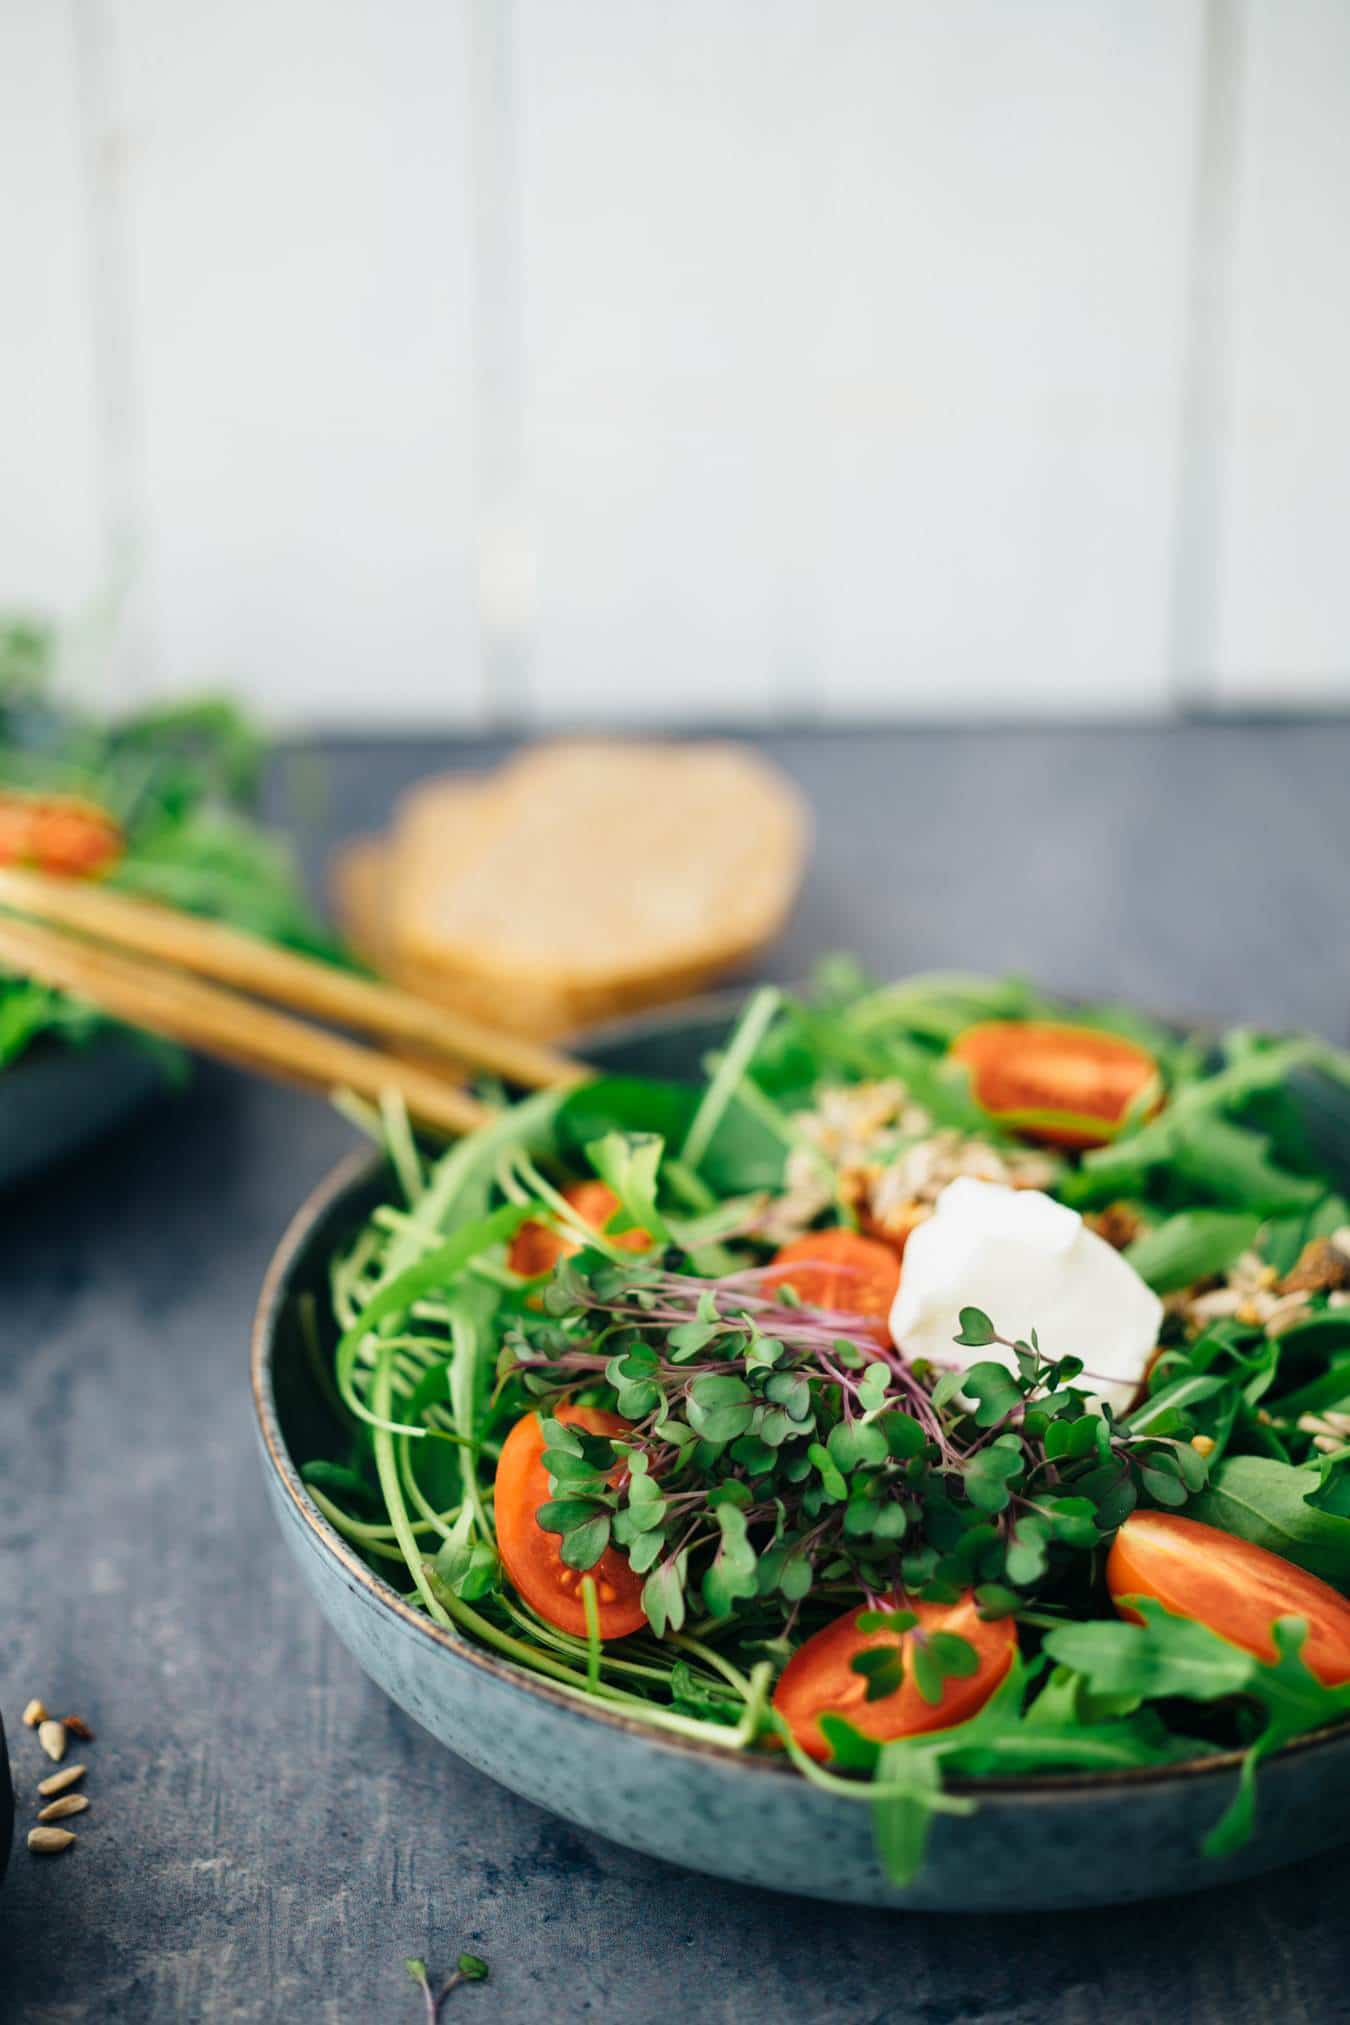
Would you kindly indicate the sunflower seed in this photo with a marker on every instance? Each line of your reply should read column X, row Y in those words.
column 1287, row 1313
column 35, row 1713
column 69, row 1803
column 69, row 1775
column 1336, row 1424
column 1330, row 1431
column 49, row 1841
column 52, row 1737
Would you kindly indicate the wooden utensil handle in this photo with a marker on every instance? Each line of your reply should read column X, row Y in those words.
column 248, row 963
column 227, row 1025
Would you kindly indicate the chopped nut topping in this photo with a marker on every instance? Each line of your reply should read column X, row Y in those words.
column 1252, row 1294
column 1320, row 1268
column 1329, row 1431
column 1117, row 1223
column 869, row 1146
column 1287, row 1313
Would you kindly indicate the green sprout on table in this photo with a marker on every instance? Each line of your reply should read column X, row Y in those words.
column 468, row 1969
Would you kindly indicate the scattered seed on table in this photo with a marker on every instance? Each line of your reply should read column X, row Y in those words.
column 49, row 1841
column 52, row 1737
column 57, row 1782
column 69, row 1803
column 78, row 1727
column 35, row 1713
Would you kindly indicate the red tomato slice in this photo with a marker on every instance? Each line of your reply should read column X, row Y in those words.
column 1068, row 1086
column 57, row 833
column 533, row 1558
column 537, row 1247
column 819, row 1679
column 1233, row 1586
column 840, row 1269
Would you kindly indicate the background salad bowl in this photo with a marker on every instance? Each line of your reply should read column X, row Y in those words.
column 59, row 1099
column 1055, row 1841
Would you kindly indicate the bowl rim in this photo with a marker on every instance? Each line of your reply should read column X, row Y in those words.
column 358, row 1168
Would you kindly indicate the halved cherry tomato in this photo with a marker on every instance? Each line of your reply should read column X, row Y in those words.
column 57, row 833
column 819, row 1679
column 533, row 1558
column 1235, row 1587
column 840, row 1269
column 536, row 1247
column 1068, row 1086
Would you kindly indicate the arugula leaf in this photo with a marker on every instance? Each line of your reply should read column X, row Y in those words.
column 729, row 1074
column 1172, row 1657
column 1004, row 1737
column 1224, row 1160
column 630, row 1162
column 741, row 1158
column 1190, row 1246
column 1331, row 1389
column 1122, row 1167
column 1266, row 1501
column 1168, row 1656
column 465, row 1565
column 337, row 1481
column 902, row 1821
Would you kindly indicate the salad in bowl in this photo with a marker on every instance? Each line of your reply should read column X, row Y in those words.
column 953, row 1388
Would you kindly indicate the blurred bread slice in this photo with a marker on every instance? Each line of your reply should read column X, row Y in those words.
column 438, row 815
column 586, row 879
column 357, row 883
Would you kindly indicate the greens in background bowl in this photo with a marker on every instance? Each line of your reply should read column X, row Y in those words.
column 178, row 786
column 395, row 1353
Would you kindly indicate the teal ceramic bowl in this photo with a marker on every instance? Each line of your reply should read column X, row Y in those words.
column 1030, row 1845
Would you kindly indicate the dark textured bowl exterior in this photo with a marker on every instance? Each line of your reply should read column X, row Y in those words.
column 1029, row 1845
column 58, row 1099
column 6, row 1805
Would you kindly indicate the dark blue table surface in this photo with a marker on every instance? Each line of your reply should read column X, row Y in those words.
column 268, row 1836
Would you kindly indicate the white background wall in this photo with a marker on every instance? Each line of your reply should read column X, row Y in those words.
column 437, row 360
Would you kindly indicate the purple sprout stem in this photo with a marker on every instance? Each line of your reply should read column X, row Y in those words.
column 809, row 1333
column 446, row 1987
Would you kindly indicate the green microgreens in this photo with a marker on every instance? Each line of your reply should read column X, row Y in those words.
column 468, row 1969
column 773, row 1454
